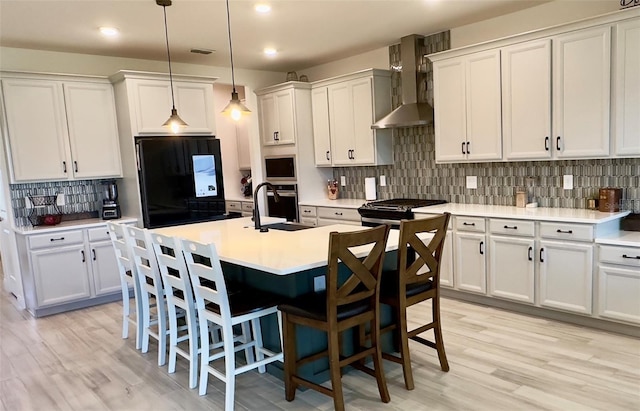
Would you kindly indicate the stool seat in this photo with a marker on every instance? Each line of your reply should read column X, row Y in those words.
column 246, row 301
column 314, row 306
column 390, row 284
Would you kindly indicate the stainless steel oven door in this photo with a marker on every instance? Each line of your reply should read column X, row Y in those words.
column 287, row 207
column 374, row 222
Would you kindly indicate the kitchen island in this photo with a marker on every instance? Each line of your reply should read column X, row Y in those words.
column 287, row 263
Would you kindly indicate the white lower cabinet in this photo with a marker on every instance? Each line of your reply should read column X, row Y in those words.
column 512, row 268
column 61, row 274
column 336, row 215
column 68, row 269
column 446, row 262
column 619, row 283
column 566, row 271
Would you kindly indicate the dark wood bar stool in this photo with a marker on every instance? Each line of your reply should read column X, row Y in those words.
column 344, row 305
column 413, row 282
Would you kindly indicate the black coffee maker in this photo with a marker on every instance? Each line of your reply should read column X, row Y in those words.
column 110, row 206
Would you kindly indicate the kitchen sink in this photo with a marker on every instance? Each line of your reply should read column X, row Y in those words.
column 287, row 226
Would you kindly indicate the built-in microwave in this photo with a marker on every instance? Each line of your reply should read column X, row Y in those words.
column 280, row 168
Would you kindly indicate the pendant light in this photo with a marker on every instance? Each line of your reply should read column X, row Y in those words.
column 175, row 123
column 235, row 108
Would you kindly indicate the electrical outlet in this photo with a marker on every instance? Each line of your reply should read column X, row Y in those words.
column 472, row 182
column 383, row 181
column 567, row 182
column 343, row 181
column 60, row 199
column 319, row 283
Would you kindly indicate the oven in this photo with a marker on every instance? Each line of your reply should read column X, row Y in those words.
column 280, row 168
column 287, row 207
column 390, row 212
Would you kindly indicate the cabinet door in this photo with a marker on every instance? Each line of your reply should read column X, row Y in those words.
column 364, row 150
column 619, row 293
column 511, row 269
column 627, row 88
column 446, row 263
column 341, row 123
column 151, row 105
column 93, row 130
column 470, row 268
column 286, row 117
column 449, row 110
column 37, row 129
column 526, row 100
column 61, row 274
column 194, row 102
column 581, row 88
column 566, row 272
column 106, row 277
column 321, row 129
column 268, row 118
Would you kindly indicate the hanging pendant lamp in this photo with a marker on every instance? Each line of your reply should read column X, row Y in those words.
column 175, row 123
column 235, row 108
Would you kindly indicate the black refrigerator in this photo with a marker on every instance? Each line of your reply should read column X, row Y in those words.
column 180, row 179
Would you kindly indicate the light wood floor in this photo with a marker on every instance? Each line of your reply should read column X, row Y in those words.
column 499, row 361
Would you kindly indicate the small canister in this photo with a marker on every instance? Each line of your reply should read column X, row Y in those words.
column 521, row 199
column 610, row 199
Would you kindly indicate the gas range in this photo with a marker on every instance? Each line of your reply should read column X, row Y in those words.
column 392, row 211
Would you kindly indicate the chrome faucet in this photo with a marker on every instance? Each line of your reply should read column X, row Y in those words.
column 256, row 211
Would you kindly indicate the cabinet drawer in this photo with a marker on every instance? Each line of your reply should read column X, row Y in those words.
column 234, row 206
column 512, row 227
column 247, row 206
column 307, row 211
column 309, row 221
column 339, row 213
column 566, row 231
column 620, row 255
column 98, row 233
column 475, row 224
column 55, row 239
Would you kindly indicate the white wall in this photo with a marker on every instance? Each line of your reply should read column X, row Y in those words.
column 373, row 59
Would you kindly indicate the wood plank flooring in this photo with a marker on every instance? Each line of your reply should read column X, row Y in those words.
column 499, row 361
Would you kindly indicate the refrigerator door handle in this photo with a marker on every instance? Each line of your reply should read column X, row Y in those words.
column 138, row 157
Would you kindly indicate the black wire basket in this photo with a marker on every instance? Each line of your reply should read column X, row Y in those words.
column 44, row 210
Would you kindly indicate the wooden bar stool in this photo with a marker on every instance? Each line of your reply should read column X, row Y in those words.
column 128, row 278
column 217, row 308
column 414, row 282
column 345, row 305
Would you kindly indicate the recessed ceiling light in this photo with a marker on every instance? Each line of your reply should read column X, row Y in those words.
column 263, row 8
column 109, row 31
column 270, row 52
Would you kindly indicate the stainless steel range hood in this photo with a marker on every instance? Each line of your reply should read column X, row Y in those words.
column 411, row 112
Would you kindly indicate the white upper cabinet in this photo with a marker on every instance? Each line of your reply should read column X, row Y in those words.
column 321, row 127
column 581, row 93
column 277, row 117
column 526, row 100
column 344, row 108
column 627, row 89
column 60, row 129
column 467, row 116
column 145, row 100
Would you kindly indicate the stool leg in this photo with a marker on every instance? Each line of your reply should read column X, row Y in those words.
column 437, row 331
column 162, row 331
column 289, row 335
column 257, row 338
column 173, row 337
column 404, row 349
column 192, row 329
column 377, row 361
column 249, row 352
column 146, row 322
column 230, row 368
column 334, row 368
column 204, row 354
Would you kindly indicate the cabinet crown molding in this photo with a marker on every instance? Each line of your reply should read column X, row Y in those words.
column 66, row 77
column 147, row 75
column 298, row 85
column 350, row 76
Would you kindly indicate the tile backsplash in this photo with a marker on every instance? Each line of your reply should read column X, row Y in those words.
column 416, row 174
column 83, row 196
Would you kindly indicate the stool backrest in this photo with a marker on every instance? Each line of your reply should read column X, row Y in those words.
column 123, row 256
column 144, row 259
column 173, row 270
column 426, row 265
column 206, row 275
column 362, row 283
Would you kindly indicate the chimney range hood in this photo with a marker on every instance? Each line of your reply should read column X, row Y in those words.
column 411, row 112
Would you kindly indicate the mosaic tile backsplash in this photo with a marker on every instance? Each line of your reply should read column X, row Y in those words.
column 416, row 174
column 84, row 196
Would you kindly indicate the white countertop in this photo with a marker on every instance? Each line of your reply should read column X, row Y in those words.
column 340, row 202
column 71, row 225
column 277, row 252
column 568, row 215
column 624, row 238
column 238, row 198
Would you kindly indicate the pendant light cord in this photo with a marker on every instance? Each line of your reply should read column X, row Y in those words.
column 233, row 79
column 166, row 36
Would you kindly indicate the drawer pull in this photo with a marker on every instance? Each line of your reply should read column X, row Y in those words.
column 57, row 239
column 306, row 211
column 471, row 224
column 515, row 227
column 338, row 213
column 564, row 232
column 637, row 257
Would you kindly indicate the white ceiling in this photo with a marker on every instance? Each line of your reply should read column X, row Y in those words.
column 305, row 32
